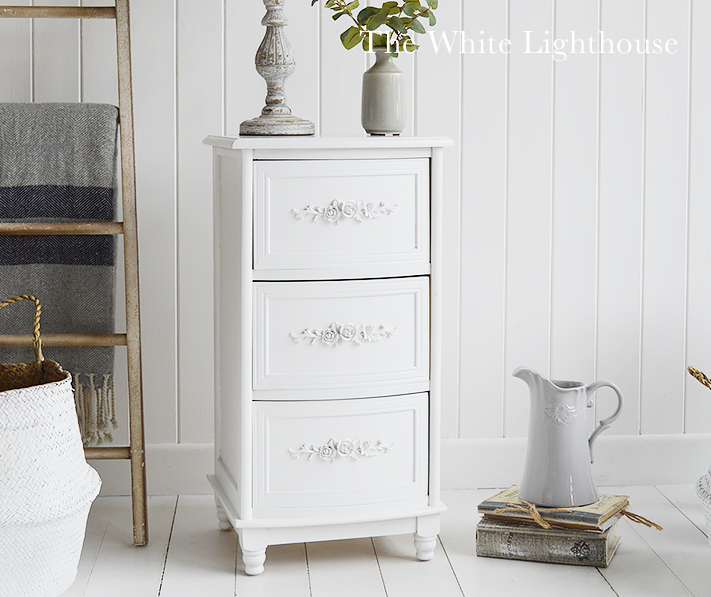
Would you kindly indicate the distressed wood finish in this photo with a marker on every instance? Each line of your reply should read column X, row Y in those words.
column 275, row 62
column 58, row 12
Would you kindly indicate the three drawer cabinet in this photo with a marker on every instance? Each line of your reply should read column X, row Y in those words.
column 327, row 339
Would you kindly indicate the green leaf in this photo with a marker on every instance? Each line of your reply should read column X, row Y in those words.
column 396, row 24
column 376, row 21
column 408, row 10
column 353, row 5
column 313, row 2
column 432, row 4
column 433, row 19
column 330, row 3
column 338, row 15
column 380, row 40
column 365, row 14
column 417, row 27
column 389, row 5
column 350, row 38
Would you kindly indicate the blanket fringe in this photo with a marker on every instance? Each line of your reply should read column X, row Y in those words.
column 96, row 408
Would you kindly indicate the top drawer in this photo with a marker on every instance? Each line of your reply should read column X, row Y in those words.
column 321, row 219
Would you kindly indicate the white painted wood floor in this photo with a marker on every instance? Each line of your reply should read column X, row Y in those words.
column 189, row 557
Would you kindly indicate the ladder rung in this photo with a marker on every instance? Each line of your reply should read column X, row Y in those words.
column 65, row 340
column 58, row 12
column 107, row 453
column 47, row 228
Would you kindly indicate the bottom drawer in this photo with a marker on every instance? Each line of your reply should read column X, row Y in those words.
column 331, row 453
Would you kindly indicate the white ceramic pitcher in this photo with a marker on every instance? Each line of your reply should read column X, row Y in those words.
column 559, row 452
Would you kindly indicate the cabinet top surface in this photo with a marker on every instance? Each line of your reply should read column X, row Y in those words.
column 318, row 142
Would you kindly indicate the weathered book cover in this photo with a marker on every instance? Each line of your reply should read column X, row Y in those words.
column 599, row 516
column 524, row 541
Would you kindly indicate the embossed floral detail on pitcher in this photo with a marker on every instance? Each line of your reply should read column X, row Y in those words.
column 338, row 333
column 561, row 415
column 337, row 211
column 342, row 450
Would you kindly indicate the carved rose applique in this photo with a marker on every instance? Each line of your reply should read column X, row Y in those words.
column 342, row 450
column 338, row 333
column 338, row 211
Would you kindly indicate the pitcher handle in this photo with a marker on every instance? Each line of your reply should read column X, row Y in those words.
column 604, row 423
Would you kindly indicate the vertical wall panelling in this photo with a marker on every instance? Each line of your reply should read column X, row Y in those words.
column 576, row 194
column 665, row 220
column 303, row 33
column 99, row 77
column 698, row 403
column 200, row 112
column 15, row 58
column 439, row 113
column 483, row 221
column 529, row 204
column 341, row 73
column 620, row 211
column 573, row 280
column 153, row 34
column 245, row 90
column 56, row 58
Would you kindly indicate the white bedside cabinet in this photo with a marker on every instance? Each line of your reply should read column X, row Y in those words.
column 328, row 339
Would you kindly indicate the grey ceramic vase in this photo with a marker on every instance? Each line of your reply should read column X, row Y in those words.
column 383, row 107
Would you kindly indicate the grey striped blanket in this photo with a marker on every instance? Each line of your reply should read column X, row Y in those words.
column 58, row 164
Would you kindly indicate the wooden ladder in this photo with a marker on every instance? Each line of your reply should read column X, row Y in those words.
column 135, row 451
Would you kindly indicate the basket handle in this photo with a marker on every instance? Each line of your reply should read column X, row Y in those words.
column 704, row 379
column 36, row 340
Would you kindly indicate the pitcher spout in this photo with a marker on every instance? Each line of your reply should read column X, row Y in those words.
column 531, row 377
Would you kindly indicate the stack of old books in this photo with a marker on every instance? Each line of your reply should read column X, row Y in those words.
column 584, row 535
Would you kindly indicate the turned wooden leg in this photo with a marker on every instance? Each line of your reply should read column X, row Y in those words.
column 253, row 543
column 254, row 561
column 426, row 536
column 425, row 547
column 224, row 524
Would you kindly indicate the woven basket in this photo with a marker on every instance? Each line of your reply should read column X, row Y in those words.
column 703, row 490
column 703, row 485
column 46, row 486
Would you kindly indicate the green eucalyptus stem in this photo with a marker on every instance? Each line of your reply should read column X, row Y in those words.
column 400, row 19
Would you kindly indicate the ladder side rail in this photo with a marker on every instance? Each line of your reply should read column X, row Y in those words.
column 133, row 322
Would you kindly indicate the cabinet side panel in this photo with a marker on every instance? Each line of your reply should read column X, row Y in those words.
column 228, row 328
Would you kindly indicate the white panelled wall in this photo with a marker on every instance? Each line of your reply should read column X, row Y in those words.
column 576, row 218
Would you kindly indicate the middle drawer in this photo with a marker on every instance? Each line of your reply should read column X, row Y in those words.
column 364, row 337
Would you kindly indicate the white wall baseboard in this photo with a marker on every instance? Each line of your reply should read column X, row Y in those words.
column 466, row 464
column 171, row 469
column 619, row 460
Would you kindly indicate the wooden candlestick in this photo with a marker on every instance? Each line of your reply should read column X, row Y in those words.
column 275, row 63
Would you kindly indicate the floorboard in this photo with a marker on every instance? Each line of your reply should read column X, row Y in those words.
column 685, row 499
column 201, row 558
column 682, row 546
column 285, row 574
column 120, row 569
column 344, row 568
column 189, row 556
column 503, row 578
column 404, row 575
